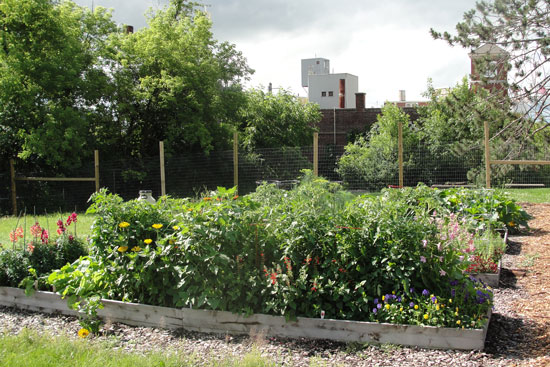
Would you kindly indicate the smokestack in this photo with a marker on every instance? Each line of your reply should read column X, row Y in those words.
column 342, row 94
column 128, row 29
column 402, row 97
column 360, row 101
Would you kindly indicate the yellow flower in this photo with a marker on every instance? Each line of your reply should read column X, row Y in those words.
column 383, row 298
column 123, row 249
column 387, row 307
column 401, row 309
column 450, row 300
column 148, row 241
column 157, row 226
column 124, row 224
column 416, row 307
column 136, row 248
column 83, row 333
column 458, row 322
column 393, row 292
column 426, row 317
column 456, row 313
column 511, row 224
column 171, row 242
column 207, row 199
column 175, row 228
column 437, row 307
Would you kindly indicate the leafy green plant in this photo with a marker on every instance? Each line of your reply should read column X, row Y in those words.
column 313, row 250
column 13, row 267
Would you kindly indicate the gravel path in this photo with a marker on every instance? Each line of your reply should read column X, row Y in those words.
column 512, row 340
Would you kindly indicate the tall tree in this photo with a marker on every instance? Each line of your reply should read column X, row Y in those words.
column 277, row 120
column 48, row 78
column 173, row 81
column 522, row 28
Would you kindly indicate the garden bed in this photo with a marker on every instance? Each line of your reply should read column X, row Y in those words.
column 230, row 323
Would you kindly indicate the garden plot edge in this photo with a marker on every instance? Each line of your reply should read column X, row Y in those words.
column 229, row 323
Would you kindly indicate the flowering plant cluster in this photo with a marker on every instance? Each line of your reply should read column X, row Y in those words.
column 313, row 250
column 40, row 253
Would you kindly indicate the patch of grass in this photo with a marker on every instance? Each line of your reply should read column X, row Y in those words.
column 31, row 349
column 8, row 224
column 535, row 196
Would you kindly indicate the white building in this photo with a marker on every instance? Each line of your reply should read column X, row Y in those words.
column 333, row 90
column 326, row 89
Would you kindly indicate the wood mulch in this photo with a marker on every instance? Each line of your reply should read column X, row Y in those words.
column 529, row 270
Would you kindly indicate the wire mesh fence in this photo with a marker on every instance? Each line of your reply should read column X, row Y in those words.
column 191, row 174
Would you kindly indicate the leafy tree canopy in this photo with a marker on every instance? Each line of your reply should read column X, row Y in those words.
column 48, row 63
column 277, row 120
column 522, row 29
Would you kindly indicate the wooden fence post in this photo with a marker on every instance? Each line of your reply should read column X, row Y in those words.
column 236, row 160
column 487, row 156
column 400, row 152
column 315, row 154
column 13, row 187
column 96, row 166
column 162, row 172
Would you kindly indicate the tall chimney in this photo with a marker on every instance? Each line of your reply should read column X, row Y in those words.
column 128, row 29
column 360, row 101
column 342, row 94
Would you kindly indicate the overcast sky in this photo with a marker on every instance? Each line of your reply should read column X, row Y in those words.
column 387, row 44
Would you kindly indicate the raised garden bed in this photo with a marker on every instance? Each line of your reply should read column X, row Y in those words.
column 227, row 322
column 492, row 279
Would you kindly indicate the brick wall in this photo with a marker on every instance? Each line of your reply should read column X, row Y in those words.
column 336, row 125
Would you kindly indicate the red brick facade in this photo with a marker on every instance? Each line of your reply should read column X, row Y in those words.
column 337, row 125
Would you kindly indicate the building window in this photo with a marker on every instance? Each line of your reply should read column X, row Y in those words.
column 323, row 94
column 317, row 62
column 330, row 93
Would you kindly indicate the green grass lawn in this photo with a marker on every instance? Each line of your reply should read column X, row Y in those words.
column 31, row 349
column 49, row 222
column 535, row 196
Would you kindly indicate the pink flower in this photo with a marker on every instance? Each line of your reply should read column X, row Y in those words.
column 424, row 243
column 44, row 236
column 461, row 258
column 422, row 259
column 439, row 246
column 442, row 272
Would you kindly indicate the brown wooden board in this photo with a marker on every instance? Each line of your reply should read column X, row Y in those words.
column 227, row 322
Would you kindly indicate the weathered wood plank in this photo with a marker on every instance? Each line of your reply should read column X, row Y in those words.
column 227, row 322
column 47, row 302
column 341, row 330
column 141, row 315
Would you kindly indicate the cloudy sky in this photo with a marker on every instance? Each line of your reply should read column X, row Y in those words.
column 387, row 44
